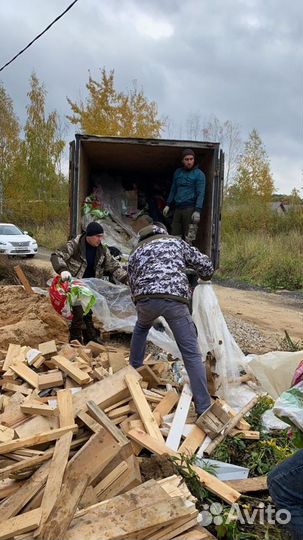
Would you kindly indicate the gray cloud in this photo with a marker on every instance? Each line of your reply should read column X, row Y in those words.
column 238, row 59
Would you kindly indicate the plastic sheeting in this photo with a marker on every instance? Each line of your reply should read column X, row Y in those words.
column 289, row 406
column 213, row 334
column 274, row 370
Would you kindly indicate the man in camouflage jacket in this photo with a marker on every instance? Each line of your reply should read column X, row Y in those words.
column 84, row 257
column 160, row 287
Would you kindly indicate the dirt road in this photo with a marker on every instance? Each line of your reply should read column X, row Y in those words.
column 272, row 313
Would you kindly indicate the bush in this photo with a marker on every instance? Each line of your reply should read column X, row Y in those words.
column 51, row 235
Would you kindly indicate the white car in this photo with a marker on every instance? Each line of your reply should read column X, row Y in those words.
column 15, row 242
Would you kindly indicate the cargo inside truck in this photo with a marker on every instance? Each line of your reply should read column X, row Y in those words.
column 133, row 177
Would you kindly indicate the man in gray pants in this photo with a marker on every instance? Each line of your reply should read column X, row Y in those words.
column 159, row 287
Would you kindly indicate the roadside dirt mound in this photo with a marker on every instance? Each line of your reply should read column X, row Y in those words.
column 28, row 319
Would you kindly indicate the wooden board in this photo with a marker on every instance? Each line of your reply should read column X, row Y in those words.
column 248, row 485
column 81, row 470
column 149, row 376
column 13, row 504
column 211, row 482
column 59, row 460
column 65, row 406
column 12, row 354
column 23, row 279
column 196, row 533
column 20, row 524
column 117, row 361
column 98, row 415
column 167, row 404
column 128, row 479
column 48, row 436
column 48, row 348
column 143, row 408
column 34, row 407
column 192, row 442
column 26, row 373
column 248, row 435
column 74, row 372
column 51, row 379
column 175, row 432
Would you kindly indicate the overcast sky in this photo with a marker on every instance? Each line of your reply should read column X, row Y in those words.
column 240, row 60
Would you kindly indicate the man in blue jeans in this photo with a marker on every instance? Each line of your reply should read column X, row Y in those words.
column 159, row 287
column 285, row 484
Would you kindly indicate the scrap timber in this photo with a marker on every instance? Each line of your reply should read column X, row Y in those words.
column 73, row 422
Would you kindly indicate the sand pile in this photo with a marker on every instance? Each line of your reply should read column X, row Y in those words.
column 28, row 319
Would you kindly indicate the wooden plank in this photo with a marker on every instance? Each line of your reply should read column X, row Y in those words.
column 65, row 407
column 230, row 425
column 48, row 348
column 23, row 279
column 12, row 506
column 167, row 404
column 74, row 372
column 6, row 434
column 192, row 442
column 149, row 376
column 143, row 408
column 175, row 432
column 103, row 419
column 211, row 482
column 26, row 373
column 82, row 468
column 259, row 483
column 25, row 464
column 11, row 387
column 51, row 379
column 242, row 424
column 12, row 353
column 127, row 525
column 117, row 361
column 89, row 421
column 248, row 435
column 48, row 436
column 129, row 479
column 58, row 463
column 112, row 477
column 35, row 407
column 20, row 524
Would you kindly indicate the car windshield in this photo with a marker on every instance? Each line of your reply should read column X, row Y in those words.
column 9, row 229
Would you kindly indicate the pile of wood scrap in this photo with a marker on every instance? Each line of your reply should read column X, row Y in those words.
column 74, row 421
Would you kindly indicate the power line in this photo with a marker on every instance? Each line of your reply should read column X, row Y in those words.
column 39, row 35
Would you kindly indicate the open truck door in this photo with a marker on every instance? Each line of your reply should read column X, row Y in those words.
column 115, row 166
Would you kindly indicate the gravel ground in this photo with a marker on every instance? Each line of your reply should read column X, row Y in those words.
column 249, row 337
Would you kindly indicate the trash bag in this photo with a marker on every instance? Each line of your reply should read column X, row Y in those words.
column 289, row 406
column 66, row 294
column 214, row 336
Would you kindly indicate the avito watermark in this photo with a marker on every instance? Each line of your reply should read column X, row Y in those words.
column 263, row 514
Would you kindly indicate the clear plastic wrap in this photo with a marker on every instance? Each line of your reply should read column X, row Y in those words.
column 214, row 336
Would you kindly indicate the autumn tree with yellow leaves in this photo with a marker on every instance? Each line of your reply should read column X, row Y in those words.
column 108, row 112
column 253, row 178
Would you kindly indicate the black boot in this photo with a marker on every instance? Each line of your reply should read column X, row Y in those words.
column 75, row 329
column 90, row 333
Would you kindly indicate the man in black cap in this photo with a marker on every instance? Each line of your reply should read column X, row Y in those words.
column 86, row 257
column 186, row 195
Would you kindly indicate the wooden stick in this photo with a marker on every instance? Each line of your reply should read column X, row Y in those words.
column 230, row 425
column 23, row 279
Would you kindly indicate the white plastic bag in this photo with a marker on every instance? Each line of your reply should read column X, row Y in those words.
column 213, row 334
column 290, row 405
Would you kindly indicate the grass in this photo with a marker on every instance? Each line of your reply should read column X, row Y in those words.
column 50, row 235
column 260, row 258
column 262, row 247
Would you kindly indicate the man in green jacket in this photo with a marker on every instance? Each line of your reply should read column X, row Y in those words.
column 86, row 257
column 186, row 194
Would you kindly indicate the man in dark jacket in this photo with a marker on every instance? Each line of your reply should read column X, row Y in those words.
column 86, row 257
column 186, row 194
column 159, row 287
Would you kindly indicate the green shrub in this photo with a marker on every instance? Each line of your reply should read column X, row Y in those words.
column 51, row 235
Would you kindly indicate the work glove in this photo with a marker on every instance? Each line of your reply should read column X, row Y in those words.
column 65, row 276
column 195, row 217
column 165, row 211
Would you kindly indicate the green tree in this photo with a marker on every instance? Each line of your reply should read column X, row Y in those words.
column 43, row 145
column 109, row 112
column 253, row 179
column 9, row 145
